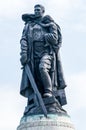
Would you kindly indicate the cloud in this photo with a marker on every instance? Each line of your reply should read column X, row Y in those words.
column 76, row 97
column 11, row 8
column 77, row 90
column 79, row 27
column 76, row 16
column 14, row 7
column 11, row 107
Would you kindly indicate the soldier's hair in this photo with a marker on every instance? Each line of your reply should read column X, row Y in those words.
column 41, row 6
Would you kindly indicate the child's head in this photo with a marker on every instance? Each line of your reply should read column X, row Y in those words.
column 47, row 19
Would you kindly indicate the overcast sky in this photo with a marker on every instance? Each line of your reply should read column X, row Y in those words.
column 71, row 16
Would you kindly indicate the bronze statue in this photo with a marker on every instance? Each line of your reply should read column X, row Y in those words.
column 42, row 78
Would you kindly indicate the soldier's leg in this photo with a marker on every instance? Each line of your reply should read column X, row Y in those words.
column 37, row 76
column 44, row 68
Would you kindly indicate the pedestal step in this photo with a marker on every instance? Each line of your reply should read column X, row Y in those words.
column 52, row 122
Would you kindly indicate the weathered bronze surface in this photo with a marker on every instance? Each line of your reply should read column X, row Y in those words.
column 40, row 43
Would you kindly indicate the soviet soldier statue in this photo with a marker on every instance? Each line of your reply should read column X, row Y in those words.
column 40, row 43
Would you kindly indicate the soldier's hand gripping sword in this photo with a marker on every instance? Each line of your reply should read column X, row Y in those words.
column 35, row 88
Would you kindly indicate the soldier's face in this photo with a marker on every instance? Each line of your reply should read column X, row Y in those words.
column 38, row 12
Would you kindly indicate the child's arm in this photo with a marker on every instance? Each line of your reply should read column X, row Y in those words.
column 47, row 24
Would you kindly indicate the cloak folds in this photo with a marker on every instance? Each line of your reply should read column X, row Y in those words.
column 58, row 81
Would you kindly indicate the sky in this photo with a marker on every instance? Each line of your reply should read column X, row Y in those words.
column 71, row 16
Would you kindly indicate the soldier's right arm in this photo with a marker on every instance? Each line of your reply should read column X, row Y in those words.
column 24, row 47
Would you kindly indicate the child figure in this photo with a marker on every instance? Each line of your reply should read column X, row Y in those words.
column 52, row 36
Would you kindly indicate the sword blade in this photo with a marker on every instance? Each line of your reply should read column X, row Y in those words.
column 35, row 88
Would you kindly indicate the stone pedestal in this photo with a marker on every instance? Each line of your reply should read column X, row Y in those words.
column 52, row 122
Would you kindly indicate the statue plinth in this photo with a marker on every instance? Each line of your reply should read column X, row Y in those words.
column 40, row 122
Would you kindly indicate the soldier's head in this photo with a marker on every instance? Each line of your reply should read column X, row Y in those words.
column 39, row 10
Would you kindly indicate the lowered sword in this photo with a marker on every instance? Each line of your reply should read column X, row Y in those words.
column 35, row 88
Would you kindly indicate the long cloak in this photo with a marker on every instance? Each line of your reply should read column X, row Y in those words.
column 58, row 78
